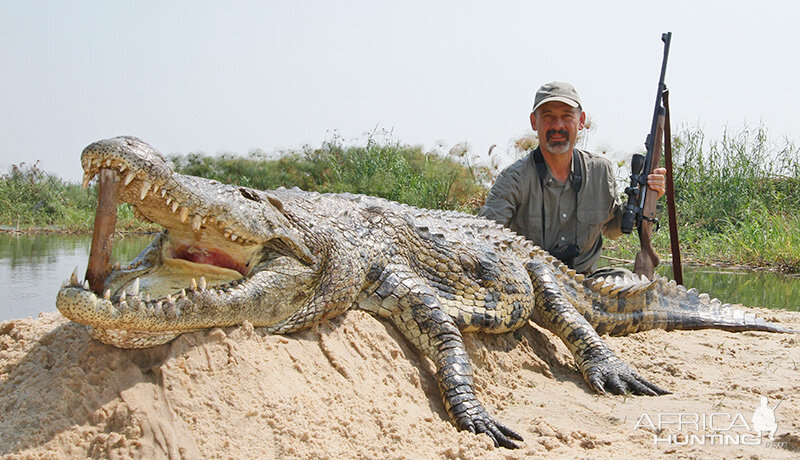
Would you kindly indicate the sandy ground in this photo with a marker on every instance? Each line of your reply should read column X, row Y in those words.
column 353, row 388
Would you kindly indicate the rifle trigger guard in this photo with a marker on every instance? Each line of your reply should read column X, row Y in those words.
column 655, row 221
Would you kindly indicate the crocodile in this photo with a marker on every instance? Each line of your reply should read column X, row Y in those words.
column 287, row 259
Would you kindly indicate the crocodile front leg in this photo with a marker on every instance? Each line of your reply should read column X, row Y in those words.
column 414, row 308
column 601, row 368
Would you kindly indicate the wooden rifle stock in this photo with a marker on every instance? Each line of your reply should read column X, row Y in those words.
column 647, row 259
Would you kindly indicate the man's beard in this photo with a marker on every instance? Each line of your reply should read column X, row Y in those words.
column 557, row 147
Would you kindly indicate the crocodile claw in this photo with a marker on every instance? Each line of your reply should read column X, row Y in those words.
column 612, row 375
column 482, row 422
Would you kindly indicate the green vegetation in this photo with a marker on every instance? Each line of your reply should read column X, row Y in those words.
column 33, row 199
column 737, row 197
column 738, row 200
column 386, row 169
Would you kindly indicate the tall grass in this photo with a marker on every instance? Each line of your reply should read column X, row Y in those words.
column 731, row 181
column 737, row 197
column 30, row 198
column 386, row 169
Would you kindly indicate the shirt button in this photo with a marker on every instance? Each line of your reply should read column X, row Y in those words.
column 564, row 215
column 562, row 238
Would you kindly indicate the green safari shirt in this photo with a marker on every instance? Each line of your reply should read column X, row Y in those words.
column 515, row 201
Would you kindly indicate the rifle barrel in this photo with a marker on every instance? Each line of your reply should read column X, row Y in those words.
column 649, row 142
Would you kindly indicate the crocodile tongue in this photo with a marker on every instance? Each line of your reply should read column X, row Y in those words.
column 105, row 219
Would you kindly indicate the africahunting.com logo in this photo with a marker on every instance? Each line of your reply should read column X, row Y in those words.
column 716, row 428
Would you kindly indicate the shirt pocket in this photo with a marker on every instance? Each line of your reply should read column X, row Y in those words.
column 590, row 226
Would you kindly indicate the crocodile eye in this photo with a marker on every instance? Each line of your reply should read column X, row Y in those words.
column 249, row 194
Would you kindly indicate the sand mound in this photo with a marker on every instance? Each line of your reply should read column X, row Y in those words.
column 353, row 388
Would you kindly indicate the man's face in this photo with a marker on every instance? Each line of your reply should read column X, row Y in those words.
column 557, row 125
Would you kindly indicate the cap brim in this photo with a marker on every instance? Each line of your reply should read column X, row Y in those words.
column 565, row 100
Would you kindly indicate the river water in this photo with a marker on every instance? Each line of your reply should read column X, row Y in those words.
column 32, row 268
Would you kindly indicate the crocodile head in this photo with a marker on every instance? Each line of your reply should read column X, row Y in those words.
column 226, row 254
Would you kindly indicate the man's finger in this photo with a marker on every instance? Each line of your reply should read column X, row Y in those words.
column 656, row 181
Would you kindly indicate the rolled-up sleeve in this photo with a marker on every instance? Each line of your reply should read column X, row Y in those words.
column 504, row 198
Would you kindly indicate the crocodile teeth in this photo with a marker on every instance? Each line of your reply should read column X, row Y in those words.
column 169, row 198
column 73, row 279
column 163, row 191
column 122, row 168
column 234, row 237
column 184, row 214
column 197, row 221
column 86, row 178
column 183, row 292
column 107, row 294
column 174, row 206
column 122, row 297
column 86, row 284
column 135, row 287
column 147, row 297
column 143, row 192
column 194, row 284
column 169, row 298
column 129, row 178
column 203, row 283
column 155, row 189
column 65, row 283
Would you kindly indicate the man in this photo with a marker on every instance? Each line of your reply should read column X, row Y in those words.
column 559, row 197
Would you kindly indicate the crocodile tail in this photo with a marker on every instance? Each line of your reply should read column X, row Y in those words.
column 624, row 305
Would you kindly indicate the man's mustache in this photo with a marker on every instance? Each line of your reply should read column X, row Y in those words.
column 553, row 132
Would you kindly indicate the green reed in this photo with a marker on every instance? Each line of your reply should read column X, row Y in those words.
column 30, row 198
column 737, row 198
column 386, row 169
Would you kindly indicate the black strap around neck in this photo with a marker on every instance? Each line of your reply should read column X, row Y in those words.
column 577, row 173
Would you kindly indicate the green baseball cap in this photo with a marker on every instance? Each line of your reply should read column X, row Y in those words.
column 556, row 91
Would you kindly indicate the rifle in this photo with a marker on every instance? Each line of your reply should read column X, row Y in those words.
column 640, row 209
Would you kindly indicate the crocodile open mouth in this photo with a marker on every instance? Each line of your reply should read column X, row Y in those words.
column 227, row 254
column 206, row 248
column 176, row 263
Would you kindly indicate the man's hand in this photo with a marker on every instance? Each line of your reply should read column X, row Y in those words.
column 657, row 181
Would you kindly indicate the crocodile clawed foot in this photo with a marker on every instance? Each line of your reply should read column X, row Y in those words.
column 612, row 375
column 482, row 422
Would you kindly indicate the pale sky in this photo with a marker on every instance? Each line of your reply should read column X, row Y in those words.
column 190, row 76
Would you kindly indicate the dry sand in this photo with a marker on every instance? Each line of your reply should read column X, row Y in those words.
column 353, row 388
